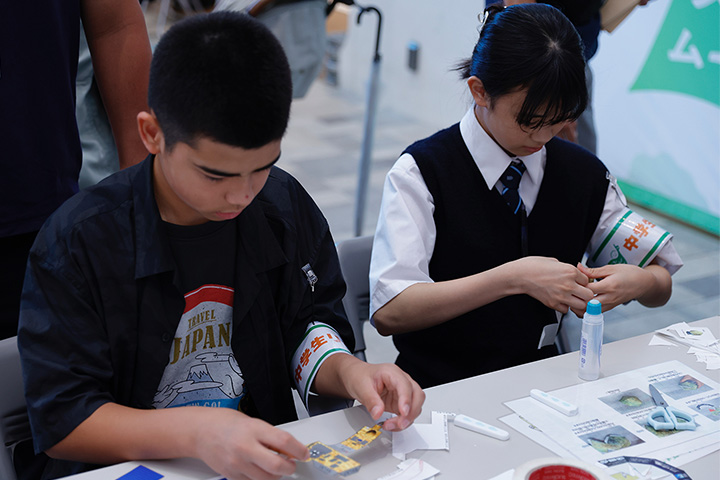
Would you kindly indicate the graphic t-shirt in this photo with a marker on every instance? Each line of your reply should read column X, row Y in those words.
column 202, row 370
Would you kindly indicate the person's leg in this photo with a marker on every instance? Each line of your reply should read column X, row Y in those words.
column 13, row 258
column 586, row 135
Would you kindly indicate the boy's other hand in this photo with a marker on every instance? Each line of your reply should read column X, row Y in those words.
column 385, row 387
column 557, row 285
column 379, row 387
column 241, row 447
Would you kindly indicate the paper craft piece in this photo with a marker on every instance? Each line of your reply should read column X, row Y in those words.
column 362, row 437
column 711, row 360
column 698, row 336
column 701, row 341
column 335, row 459
column 432, row 436
column 412, row 469
column 613, row 415
column 141, row 473
column 330, row 460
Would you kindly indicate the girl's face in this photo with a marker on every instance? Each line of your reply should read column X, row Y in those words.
column 497, row 117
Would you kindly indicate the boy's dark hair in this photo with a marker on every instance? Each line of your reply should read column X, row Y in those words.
column 531, row 46
column 223, row 76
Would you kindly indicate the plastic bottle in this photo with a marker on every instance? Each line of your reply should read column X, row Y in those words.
column 591, row 341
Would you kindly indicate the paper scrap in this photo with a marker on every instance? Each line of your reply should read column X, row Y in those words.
column 433, row 436
column 412, row 469
column 701, row 341
column 505, row 475
column 658, row 340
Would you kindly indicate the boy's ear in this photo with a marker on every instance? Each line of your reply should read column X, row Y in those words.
column 478, row 92
column 150, row 132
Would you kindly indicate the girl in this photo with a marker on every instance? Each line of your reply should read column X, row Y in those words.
column 483, row 225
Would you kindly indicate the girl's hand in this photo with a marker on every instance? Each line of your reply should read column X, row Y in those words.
column 617, row 284
column 557, row 285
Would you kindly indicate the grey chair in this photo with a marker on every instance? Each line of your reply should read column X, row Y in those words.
column 14, row 424
column 354, row 255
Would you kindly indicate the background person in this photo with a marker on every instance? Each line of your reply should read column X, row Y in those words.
column 40, row 153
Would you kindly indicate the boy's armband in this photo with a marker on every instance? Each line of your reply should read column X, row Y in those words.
column 632, row 240
column 319, row 343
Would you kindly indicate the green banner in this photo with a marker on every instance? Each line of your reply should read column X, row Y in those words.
column 686, row 55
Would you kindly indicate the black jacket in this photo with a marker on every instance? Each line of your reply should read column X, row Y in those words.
column 100, row 304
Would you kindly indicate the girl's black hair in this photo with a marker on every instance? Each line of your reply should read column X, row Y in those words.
column 533, row 47
column 222, row 76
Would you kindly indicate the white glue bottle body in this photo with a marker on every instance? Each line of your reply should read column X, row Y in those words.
column 591, row 341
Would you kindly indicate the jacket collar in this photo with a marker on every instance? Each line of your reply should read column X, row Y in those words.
column 258, row 249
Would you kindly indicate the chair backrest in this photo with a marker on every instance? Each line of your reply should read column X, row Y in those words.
column 354, row 255
column 14, row 424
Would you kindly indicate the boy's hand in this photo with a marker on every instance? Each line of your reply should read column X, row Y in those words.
column 241, row 447
column 379, row 387
column 621, row 283
column 557, row 285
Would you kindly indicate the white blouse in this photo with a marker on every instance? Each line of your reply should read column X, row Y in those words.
column 405, row 235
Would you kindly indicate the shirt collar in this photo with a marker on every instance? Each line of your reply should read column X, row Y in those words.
column 492, row 160
column 152, row 254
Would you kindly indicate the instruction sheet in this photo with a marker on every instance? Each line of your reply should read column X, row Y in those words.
column 613, row 412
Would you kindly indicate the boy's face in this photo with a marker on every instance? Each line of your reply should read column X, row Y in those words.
column 209, row 181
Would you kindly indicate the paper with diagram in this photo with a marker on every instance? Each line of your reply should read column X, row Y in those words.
column 613, row 414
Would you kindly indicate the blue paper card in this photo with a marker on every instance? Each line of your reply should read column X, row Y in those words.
column 141, row 473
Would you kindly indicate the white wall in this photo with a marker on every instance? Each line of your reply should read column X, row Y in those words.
column 446, row 33
column 660, row 138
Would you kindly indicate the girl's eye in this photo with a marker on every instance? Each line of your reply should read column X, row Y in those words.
column 213, row 179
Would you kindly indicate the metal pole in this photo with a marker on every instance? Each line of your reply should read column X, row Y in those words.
column 369, row 127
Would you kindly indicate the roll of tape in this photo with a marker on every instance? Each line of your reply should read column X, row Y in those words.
column 556, row 468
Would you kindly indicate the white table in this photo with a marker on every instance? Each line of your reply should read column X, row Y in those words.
column 471, row 455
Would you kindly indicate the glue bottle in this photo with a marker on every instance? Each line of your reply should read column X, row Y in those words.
column 591, row 341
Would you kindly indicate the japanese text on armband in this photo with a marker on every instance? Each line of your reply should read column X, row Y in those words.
column 320, row 342
column 633, row 240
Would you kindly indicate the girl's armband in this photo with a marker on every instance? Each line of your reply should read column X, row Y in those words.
column 632, row 240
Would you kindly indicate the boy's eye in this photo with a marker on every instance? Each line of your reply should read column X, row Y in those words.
column 213, row 179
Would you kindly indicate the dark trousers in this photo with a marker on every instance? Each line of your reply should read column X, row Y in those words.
column 13, row 259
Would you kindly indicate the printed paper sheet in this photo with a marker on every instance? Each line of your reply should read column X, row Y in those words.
column 613, row 414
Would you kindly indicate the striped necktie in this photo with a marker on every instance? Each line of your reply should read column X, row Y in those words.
column 511, row 181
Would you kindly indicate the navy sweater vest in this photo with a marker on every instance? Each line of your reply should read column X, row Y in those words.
column 476, row 231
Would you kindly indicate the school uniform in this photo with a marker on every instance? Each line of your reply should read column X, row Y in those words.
column 442, row 217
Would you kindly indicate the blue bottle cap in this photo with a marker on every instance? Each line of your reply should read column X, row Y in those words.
column 594, row 307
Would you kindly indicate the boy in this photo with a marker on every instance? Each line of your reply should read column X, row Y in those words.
column 106, row 339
